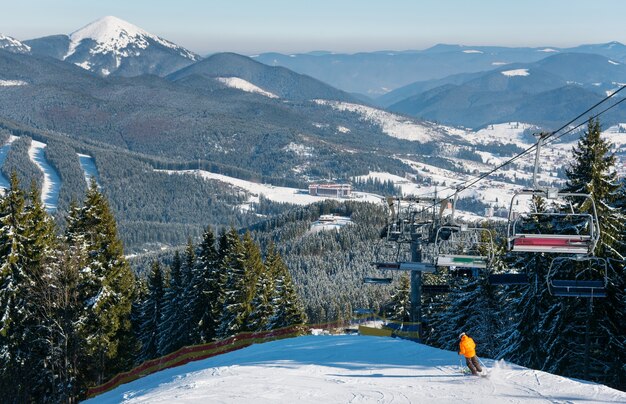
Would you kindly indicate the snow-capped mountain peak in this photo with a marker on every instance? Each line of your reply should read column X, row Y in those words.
column 103, row 46
column 13, row 45
column 113, row 34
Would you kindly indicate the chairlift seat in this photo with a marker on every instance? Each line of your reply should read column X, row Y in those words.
column 467, row 261
column 552, row 243
column 579, row 292
column 577, row 284
column 406, row 266
column 508, row 279
column 377, row 281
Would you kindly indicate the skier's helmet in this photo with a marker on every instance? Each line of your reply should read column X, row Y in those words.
column 461, row 335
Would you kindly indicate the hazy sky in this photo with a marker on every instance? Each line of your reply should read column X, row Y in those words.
column 252, row 26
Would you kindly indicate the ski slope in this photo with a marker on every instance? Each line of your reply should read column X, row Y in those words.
column 350, row 369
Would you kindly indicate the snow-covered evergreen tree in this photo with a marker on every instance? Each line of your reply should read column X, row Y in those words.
column 288, row 307
column 106, row 287
column 254, row 267
column 18, row 318
column 173, row 310
column 210, row 281
column 232, row 263
column 152, row 308
column 400, row 304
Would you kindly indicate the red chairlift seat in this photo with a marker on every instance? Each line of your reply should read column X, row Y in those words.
column 582, row 244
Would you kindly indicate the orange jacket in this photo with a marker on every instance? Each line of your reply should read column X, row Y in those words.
column 467, row 347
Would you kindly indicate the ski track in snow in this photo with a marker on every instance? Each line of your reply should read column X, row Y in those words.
column 51, row 180
column 4, row 151
column 89, row 168
column 351, row 369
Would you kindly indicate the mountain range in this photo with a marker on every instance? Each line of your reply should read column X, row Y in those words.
column 112, row 88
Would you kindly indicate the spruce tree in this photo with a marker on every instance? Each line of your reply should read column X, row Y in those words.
column 234, row 310
column 173, row 310
column 210, row 283
column 254, row 267
column 400, row 304
column 152, row 308
column 288, row 307
column 16, row 312
column 106, row 287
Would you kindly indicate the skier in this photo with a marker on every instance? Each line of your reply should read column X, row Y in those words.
column 467, row 348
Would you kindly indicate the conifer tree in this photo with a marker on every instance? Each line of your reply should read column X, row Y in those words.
column 152, row 308
column 288, row 307
column 400, row 304
column 16, row 312
column 209, row 293
column 254, row 267
column 106, row 287
column 173, row 310
column 234, row 310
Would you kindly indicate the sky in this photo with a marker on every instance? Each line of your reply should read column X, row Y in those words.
column 290, row 26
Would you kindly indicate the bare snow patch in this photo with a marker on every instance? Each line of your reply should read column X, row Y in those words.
column 472, row 51
column 299, row 149
column 515, row 72
column 613, row 62
column 547, row 50
column 271, row 192
column 391, row 124
column 241, row 84
column 343, row 129
column 12, row 83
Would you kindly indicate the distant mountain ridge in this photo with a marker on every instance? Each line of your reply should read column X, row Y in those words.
column 111, row 46
column 376, row 73
column 505, row 94
column 277, row 80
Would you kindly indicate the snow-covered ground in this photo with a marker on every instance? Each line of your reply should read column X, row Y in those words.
column 89, row 167
column 350, row 369
column 273, row 193
column 329, row 222
column 51, row 179
column 243, row 85
column 391, row 124
column 4, row 151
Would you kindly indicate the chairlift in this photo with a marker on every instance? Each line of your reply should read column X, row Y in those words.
column 574, row 232
column 463, row 246
column 554, row 232
column 590, row 281
column 377, row 281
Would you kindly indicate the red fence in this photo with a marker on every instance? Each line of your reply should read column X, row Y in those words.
column 194, row 353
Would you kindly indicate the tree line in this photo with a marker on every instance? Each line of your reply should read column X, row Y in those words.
column 74, row 314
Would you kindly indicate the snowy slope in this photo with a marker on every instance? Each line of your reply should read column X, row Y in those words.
column 13, row 45
column 392, row 124
column 110, row 45
column 347, row 369
column 241, row 84
column 51, row 179
column 271, row 192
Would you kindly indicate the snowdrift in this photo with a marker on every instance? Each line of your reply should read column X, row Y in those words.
column 350, row 368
